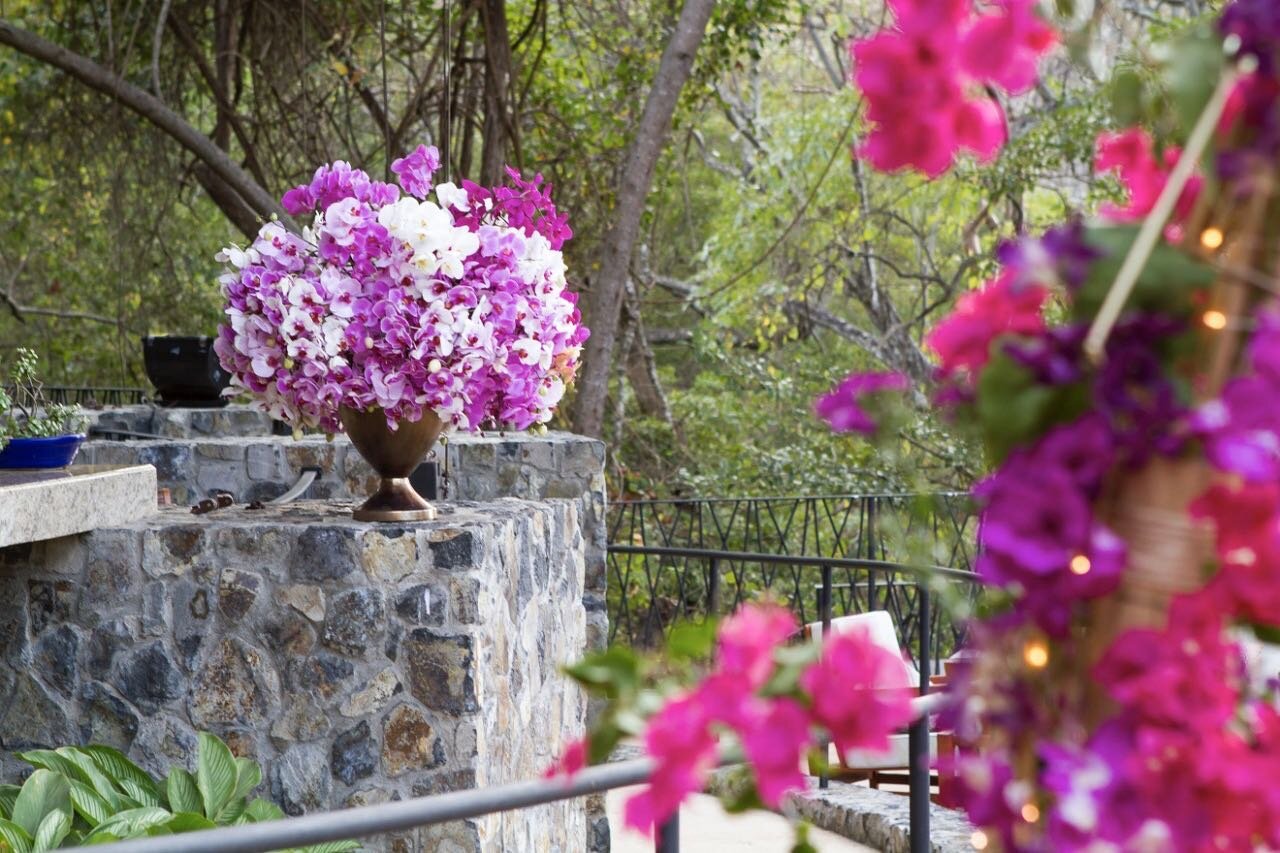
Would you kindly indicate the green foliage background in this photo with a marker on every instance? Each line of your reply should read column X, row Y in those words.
column 754, row 201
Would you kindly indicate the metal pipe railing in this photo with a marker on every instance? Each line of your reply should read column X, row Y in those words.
column 391, row 817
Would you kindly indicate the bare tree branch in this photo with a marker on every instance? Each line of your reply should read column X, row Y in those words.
column 152, row 109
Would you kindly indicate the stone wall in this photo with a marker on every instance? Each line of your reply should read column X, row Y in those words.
column 358, row 663
column 231, row 450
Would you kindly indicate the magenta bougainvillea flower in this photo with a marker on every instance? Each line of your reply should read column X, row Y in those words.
column 1130, row 154
column 680, row 740
column 873, row 700
column 394, row 302
column 923, row 80
column 869, row 701
column 842, row 408
column 746, row 641
column 1001, row 307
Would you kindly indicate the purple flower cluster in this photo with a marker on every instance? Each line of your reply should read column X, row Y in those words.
column 397, row 303
column 1241, row 429
column 842, row 408
column 1059, row 255
column 1255, row 102
column 1038, row 533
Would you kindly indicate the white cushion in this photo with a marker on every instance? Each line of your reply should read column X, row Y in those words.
column 878, row 625
column 896, row 757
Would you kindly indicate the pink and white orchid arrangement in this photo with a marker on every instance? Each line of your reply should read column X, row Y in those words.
column 457, row 306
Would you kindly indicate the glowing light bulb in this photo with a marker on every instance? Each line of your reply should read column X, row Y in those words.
column 1215, row 320
column 1036, row 654
column 1030, row 813
column 1080, row 565
column 978, row 840
column 1212, row 238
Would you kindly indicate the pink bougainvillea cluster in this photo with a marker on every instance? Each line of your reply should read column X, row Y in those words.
column 457, row 306
column 924, row 80
column 1170, row 739
column 775, row 731
column 854, row 692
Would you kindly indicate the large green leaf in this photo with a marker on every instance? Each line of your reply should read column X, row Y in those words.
column 8, row 795
column 18, row 839
column 55, row 827
column 330, row 847
column 1014, row 409
column 260, row 810
column 189, row 822
column 248, row 777
column 612, row 671
column 184, row 794
column 89, row 804
column 113, row 762
column 43, row 792
column 1165, row 284
column 1193, row 74
column 215, row 774
column 145, row 795
column 50, row 760
column 132, row 822
column 100, row 782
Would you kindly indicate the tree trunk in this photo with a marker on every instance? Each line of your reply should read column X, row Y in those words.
column 633, row 187
column 498, row 71
column 221, row 167
column 641, row 370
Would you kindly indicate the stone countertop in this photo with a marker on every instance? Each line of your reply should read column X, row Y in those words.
column 47, row 504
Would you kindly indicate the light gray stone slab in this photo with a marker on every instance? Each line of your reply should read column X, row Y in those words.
column 40, row 505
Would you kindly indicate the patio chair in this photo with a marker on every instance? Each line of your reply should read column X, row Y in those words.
column 890, row 767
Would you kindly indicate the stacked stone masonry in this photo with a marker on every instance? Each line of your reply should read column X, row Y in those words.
column 231, row 449
column 358, row 663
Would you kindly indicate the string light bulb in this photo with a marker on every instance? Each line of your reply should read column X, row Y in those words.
column 978, row 840
column 1212, row 238
column 1080, row 565
column 1030, row 813
column 1036, row 654
column 1215, row 320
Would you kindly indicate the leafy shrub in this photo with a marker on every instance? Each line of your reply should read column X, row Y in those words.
column 93, row 794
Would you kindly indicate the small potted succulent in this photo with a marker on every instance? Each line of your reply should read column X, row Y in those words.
column 35, row 433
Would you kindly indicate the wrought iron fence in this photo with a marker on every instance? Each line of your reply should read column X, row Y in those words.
column 875, row 527
column 92, row 397
column 671, row 561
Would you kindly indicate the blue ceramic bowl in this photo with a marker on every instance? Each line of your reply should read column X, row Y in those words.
column 54, row 452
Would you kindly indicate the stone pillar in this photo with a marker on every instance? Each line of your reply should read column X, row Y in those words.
column 357, row 663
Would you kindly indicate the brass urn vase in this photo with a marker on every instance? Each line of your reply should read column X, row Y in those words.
column 393, row 455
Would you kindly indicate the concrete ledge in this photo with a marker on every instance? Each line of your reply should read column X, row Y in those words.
column 39, row 505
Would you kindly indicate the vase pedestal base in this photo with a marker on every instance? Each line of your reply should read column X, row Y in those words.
column 428, row 514
column 395, row 500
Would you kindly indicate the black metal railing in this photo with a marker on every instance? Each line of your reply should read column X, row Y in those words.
column 94, row 397
column 382, row 818
column 660, row 568
column 874, row 527
column 653, row 588
column 365, row 821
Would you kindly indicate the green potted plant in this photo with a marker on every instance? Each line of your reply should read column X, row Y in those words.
column 34, row 432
